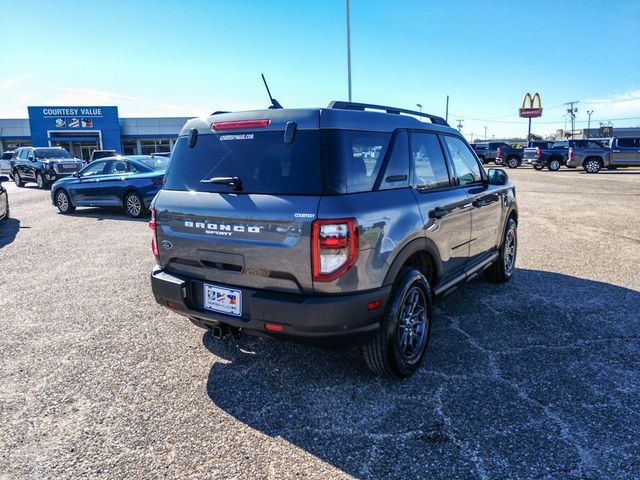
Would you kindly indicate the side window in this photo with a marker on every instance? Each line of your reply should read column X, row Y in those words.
column 627, row 142
column 466, row 168
column 396, row 175
column 429, row 165
column 117, row 167
column 365, row 161
column 95, row 168
column 23, row 154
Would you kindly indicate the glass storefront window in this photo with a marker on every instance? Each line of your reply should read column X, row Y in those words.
column 129, row 147
column 151, row 145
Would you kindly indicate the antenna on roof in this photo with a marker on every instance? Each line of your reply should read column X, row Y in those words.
column 274, row 102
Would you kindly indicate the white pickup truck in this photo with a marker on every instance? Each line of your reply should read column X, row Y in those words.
column 623, row 152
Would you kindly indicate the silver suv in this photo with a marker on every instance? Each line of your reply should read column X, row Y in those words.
column 340, row 223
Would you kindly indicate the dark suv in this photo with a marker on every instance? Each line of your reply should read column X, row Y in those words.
column 327, row 224
column 43, row 165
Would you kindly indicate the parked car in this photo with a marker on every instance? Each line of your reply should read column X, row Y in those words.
column 556, row 156
column 5, row 162
column 130, row 182
column 43, row 165
column 334, row 224
column 98, row 154
column 498, row 152
column 623, row 152
column 4, row 199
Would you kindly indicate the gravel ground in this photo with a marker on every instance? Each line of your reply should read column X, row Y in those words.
column 536, row 379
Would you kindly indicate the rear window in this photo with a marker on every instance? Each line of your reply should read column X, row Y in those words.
column 261, row 160
column 317, row 162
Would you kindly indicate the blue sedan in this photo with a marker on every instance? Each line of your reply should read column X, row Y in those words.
column 130, row 182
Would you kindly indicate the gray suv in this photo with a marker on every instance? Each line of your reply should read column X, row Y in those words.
column 339, row 223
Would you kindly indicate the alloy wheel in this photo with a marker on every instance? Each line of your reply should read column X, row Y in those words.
column 510, row 244
column 412, row 325
column 134, row 206
column 592, row 166
column 63, row 202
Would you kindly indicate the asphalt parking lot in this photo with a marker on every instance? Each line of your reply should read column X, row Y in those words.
column 536, row 379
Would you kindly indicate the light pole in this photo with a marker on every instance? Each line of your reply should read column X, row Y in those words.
column 419, row 105
column 349, row 49
column 485, row 133
column 589, row 112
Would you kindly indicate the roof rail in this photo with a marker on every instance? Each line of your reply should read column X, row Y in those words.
column 362, row 106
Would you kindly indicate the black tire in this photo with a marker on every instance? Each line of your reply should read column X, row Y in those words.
column 554, row 165
column 133, row 205
column 63, row 202
column 42, row 183
column 513, row 162
column 18, row 180
column 406, row 321
column 504, row 267
column 538, row 167
column 592, row 165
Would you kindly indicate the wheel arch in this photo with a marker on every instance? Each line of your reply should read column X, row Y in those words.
column 420, row 253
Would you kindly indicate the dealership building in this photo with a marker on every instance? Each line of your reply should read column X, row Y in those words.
column 82, row 129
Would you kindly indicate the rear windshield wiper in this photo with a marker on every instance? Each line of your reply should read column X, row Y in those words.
column 234, row 182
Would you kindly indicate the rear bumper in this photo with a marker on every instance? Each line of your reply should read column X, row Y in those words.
column 301, row 316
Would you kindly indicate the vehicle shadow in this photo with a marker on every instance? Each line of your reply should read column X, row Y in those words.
column 105, row 213
column 9, row 229
column 502, row 366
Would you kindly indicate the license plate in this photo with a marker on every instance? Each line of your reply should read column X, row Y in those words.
column 222, row 300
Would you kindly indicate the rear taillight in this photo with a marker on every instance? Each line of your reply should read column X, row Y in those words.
column 571, row 153
column 335, row 247
column 158, row 181
column 538, row 152
column 239, row 125
column 154, row 239
column 499, row 153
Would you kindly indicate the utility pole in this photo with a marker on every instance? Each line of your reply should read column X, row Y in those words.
column 446, row 116
column 485, row 133
column 419, row 105
column 572, row 112
column 459, row 125
column 589, row 112
column 349, row 48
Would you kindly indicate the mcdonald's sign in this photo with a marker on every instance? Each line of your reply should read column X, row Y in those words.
column 531, row 111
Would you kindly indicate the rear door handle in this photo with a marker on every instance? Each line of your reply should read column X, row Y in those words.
column 439, row 212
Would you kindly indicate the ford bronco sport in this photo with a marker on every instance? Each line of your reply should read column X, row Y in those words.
column 339, row 222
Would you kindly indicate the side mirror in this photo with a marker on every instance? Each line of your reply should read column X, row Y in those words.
column 30, row 158
column 4, row 179
column 497, row 176
column 76, row 174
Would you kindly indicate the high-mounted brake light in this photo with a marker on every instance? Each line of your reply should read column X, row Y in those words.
column 154, row 240
column 538, row 152
column 335, row 246
column 239, row 125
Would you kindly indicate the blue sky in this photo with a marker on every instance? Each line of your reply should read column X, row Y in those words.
column 161, row 58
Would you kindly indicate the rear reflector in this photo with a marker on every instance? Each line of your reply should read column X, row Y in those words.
column 240, row 124
column 171, row 304
column 375, row 305
column 273, row 327
column 158, row 181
